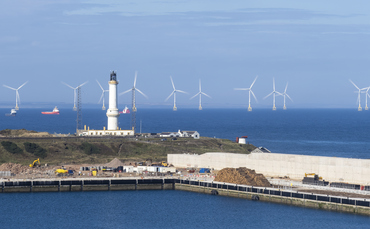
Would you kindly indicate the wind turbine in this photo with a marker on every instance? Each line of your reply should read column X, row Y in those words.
column 102, row 95
column 17, row 98
column 249, row 93
column 174, row 95
column 286, row 95
column 74, row 93
column 273, row 93
column 358, row 97
column 200, row 93
column 367, row 95
column 133, row 89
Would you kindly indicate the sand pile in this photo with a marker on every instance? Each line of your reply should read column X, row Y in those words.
column 242, row 176
column 115, row 163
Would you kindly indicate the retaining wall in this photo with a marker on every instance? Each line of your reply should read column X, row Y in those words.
column 332, row 169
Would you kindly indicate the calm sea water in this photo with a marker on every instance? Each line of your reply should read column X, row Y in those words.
column 160, row 209
column 335, row 133
column 324, row 132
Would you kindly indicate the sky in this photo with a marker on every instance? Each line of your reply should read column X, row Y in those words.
column 315, row 46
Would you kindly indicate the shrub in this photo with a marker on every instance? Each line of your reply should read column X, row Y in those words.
column 11, row 147
column 89, row 148
column 35, row 149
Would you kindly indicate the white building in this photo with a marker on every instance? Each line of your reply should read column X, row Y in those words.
column 181, row 134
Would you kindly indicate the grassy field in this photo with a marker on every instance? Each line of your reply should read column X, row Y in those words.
column 78, row 150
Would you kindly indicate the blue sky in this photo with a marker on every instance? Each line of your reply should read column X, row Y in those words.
column 316, row 46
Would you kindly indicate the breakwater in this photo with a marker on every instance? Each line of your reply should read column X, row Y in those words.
column 327, row 202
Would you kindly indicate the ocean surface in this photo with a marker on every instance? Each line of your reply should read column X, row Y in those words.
column 325, row 132
column 160, row 209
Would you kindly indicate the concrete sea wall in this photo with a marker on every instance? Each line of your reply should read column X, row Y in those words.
column 332, row 169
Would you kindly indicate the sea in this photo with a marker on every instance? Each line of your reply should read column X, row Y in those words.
column 321, row 132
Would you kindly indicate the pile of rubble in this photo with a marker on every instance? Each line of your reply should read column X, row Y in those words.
column 242, row 176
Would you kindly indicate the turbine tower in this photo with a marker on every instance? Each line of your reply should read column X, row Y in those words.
column 273, row 93
column 17, row 98
column 174, row 95
column 286, row 95
column 102, row 95
column 74, row 93
column 133, row 108
column 359, row 93
column 249, row 93
column 366, row 95
column 112, row 112
column 200, row 93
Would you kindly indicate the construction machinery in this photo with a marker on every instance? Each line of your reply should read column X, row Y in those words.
column 62, row 172
column 314, row 175
column 36, row 163
column 164, row 163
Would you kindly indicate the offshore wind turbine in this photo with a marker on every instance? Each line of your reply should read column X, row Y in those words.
column 286, row 95
column 200, row 93
column 174, row 95
column 17, row 98
column 359, row 95
column 102, row 95
column 273, row 93
column 249, row 93
column 134, row 89
column 366, row 95
column 75, row 93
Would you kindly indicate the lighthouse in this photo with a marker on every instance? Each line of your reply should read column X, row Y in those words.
column 112, row 112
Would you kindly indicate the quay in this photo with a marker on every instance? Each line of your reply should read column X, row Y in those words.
column 281, row 196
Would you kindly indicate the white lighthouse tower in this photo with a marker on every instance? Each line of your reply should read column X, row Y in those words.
column 112, row 112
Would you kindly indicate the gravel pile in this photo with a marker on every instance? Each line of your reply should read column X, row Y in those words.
column 242, row 176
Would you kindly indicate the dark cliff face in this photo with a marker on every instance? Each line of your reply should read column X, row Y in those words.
column 102, row 150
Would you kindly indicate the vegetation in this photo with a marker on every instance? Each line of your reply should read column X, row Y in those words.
column 79, row 150
column 89, row 148
column 35, row 149
column 11, row 147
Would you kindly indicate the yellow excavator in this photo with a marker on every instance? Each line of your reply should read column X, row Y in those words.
column 35, row 163
column 314, row 175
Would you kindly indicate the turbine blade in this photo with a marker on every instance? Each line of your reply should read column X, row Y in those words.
column 200, row 86
column 354, row 84
column 173, row 85
column 100, row 85
column 82, row 84
column 169, row 96
column 135, row 79
column 101, row 97
column 195, row 95
column 125, row 91
column 273, row 83
column 268, row 95
column 68, row 85
column 286, row 87
column 182, row 91
column 9, row 87
column 206, row 95
column 254, row 96
column 141, row 93
column 289, row 97
column 22, row 85
column 253, row 82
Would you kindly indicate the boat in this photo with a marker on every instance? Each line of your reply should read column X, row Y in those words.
column 125, row 111
column 13, row 112
column 54, row 112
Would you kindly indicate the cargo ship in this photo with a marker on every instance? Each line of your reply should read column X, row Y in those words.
column 54, row 112
column 13, row 112
column 125, row 111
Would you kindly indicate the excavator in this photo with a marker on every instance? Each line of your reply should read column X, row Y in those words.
column 35, row 163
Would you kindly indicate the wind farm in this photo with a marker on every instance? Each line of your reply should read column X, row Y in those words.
column 359, row 91
column 102, row 97
column 200, row 93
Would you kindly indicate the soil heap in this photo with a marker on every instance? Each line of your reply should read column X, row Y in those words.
column 242, row 176
column 115, row 163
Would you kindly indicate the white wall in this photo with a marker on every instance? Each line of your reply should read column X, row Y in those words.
column 332, row 169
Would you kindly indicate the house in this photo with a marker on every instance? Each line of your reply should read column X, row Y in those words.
column 181, row 134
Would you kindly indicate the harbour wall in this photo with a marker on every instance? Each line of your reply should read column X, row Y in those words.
column 332, row 169
column 334, row 203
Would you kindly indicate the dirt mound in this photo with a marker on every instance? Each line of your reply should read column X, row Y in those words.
column 242, row 176
column 14, row 168
column 115, row 163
